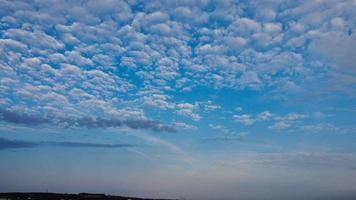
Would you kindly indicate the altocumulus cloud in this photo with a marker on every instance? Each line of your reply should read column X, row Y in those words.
column 115, row 60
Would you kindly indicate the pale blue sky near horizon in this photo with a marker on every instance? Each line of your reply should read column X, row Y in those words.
column 195, row 99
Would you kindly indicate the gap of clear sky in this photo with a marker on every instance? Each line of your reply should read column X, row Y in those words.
column 197, row 99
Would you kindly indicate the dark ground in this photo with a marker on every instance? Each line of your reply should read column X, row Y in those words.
column 55, row 196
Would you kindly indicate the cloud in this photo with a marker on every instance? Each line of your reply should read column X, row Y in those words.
column 280, row 125
column 164, row 143
column 158, row 101
column 209, row 106
column 279, row 122
column 107, row 123
column 265, row 115
column 185, row 126
column 249, row 79
column 225, row 134
column 325, row 128
column 248, row 119
column 244, row 119
column 334, row 47
column 84, row 145
column 238, row 109
column 95, row 58
column 291, row 117
column 221, row 129
column 287, row 121
column 87, row 122
column 224, row 137
column 14, row 144
column 37, row 39
column 22, row 118
column 188, row 109
column 293, row 159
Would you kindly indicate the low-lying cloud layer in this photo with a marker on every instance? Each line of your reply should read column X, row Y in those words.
column 13, row 144
column 17, row 144
column 86, row 122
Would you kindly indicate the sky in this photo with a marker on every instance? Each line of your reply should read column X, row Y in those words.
column 205, row 99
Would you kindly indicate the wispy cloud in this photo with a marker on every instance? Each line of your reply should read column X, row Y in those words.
column 154, row 140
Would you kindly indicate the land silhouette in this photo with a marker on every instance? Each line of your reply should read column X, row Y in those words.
column 58, row 196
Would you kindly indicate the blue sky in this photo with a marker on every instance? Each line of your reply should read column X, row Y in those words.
column 196, row 99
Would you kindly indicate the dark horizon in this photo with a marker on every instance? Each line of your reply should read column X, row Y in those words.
column 65, row 196
column 103, row 196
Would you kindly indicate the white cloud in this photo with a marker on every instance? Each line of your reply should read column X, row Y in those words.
column 291, row 117
column 265, row 115
column 278, row 121
column 280, row 125
column 209, row 106
column 157, row 100
column 238, row 109
column 335, row 47
column 112, row 50
column 249, row 79
column 244, row 119
column 36, row 39
column 187, row 109
column 185, row 126
column 287, row 121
